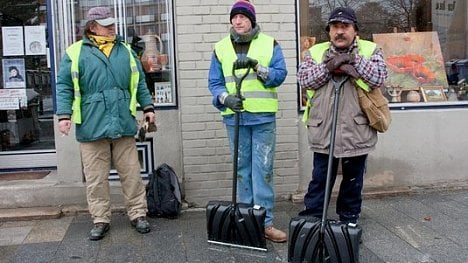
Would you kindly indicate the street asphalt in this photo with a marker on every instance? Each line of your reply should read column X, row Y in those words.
column 425, row 227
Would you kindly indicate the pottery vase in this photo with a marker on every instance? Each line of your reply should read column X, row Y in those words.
column 413, row 96
column 149, row 58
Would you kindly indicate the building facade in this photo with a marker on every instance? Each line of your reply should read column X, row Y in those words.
column 424, row 147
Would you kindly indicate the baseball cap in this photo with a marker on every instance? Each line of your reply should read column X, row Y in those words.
column 102, row 15
column 344, row 15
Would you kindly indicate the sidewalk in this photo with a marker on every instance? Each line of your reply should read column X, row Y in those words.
column 430, row 227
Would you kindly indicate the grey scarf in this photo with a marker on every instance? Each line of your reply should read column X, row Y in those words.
column 244, row 38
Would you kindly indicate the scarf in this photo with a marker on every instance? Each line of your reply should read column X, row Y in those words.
column 246, row 37
column 105, row 44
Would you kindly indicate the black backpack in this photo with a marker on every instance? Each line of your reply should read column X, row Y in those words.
column 163, row 193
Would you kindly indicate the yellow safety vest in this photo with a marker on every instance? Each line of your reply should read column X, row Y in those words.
column 257, row 97
column 73, row 53
column 366, row 49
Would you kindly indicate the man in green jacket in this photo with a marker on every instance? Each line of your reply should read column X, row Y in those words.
column 99, row 84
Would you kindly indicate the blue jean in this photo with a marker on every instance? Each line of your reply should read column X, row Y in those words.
column 349, row 201
column 255, row 165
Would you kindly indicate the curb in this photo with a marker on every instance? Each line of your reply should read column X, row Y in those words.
column 37, row 213
column 32, row 213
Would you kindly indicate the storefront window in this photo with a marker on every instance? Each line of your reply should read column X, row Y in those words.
column 424, row 44
column 145, row 24
column 26, row 109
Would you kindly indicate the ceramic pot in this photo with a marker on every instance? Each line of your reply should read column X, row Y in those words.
column 413, row 96
column 149, row 58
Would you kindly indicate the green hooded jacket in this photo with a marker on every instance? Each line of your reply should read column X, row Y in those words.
column 105, row 97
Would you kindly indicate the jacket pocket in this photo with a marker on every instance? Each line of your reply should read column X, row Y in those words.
column 317, row 135
column 127, row 120
column 93, row 112
column 361, row 120
column 365, row 136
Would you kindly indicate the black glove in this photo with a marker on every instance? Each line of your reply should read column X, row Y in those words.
column 245, row 62
column 234, row 103
column 335, row 62
column 350, row 70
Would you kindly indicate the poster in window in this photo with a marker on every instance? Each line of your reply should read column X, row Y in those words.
column 13, row 73
column 414, row 59
column 35, row 40
column 12, row 40
column 163, row 94
column 13, row 99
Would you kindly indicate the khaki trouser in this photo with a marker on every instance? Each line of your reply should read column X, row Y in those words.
column 96, row 157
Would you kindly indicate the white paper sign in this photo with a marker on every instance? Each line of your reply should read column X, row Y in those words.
column 13, row 99
column 9, row 103
column 35, row 40
column 12, row 39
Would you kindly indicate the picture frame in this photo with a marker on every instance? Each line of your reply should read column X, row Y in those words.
column 145, row 156
column 433, row 94
column 14, row 73
column 164, row 94
column 413, row 59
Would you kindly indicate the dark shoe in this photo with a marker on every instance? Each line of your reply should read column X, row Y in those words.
column 141, row 225
column 99, row 231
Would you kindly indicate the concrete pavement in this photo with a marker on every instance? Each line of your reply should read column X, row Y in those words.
column 424, row 227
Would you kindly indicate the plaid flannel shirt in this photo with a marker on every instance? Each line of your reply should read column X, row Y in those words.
column 313, row 75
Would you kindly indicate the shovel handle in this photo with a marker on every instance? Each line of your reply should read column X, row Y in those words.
column 338, row 81
column 239, row 78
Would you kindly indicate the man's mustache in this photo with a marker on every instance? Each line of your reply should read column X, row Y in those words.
column 340, row 37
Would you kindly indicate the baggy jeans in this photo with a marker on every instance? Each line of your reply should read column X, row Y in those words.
column 97, row 157
column 255, row 165
column 349, row 201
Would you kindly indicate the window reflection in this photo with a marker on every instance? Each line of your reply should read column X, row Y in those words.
column 147, row 26
column 26, row 110
column 424, row 43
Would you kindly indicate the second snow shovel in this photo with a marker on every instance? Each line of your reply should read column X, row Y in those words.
column 231, row 223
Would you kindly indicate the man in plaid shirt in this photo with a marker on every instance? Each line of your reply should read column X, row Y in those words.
column 355, row 139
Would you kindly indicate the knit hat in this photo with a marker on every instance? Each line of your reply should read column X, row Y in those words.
column 102, row 15
column 243, row 7
column 344, row 15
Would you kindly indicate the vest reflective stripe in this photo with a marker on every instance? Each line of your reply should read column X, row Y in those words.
column 73, row 53
column 366, row 49
column 134, row 79
column 257, row 94
column 257, row 97
column 250, row 76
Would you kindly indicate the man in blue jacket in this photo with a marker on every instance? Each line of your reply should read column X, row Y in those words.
column 250, row 47
column 99, row 84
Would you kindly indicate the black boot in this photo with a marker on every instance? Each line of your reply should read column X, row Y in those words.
column 99, row 231
column 141, row 225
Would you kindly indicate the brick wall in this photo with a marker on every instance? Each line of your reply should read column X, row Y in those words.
column 206, row 159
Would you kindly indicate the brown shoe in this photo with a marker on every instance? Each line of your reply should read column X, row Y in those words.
column 275, row 235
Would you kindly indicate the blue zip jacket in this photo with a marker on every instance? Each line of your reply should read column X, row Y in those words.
column 217, row 85
column 105, row 97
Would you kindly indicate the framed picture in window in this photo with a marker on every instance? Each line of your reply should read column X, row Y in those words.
column 414, row 59
column 14, row 73
column 433, row 94
column 164, row 94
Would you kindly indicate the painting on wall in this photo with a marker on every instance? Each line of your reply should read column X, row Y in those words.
column 414, row 59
